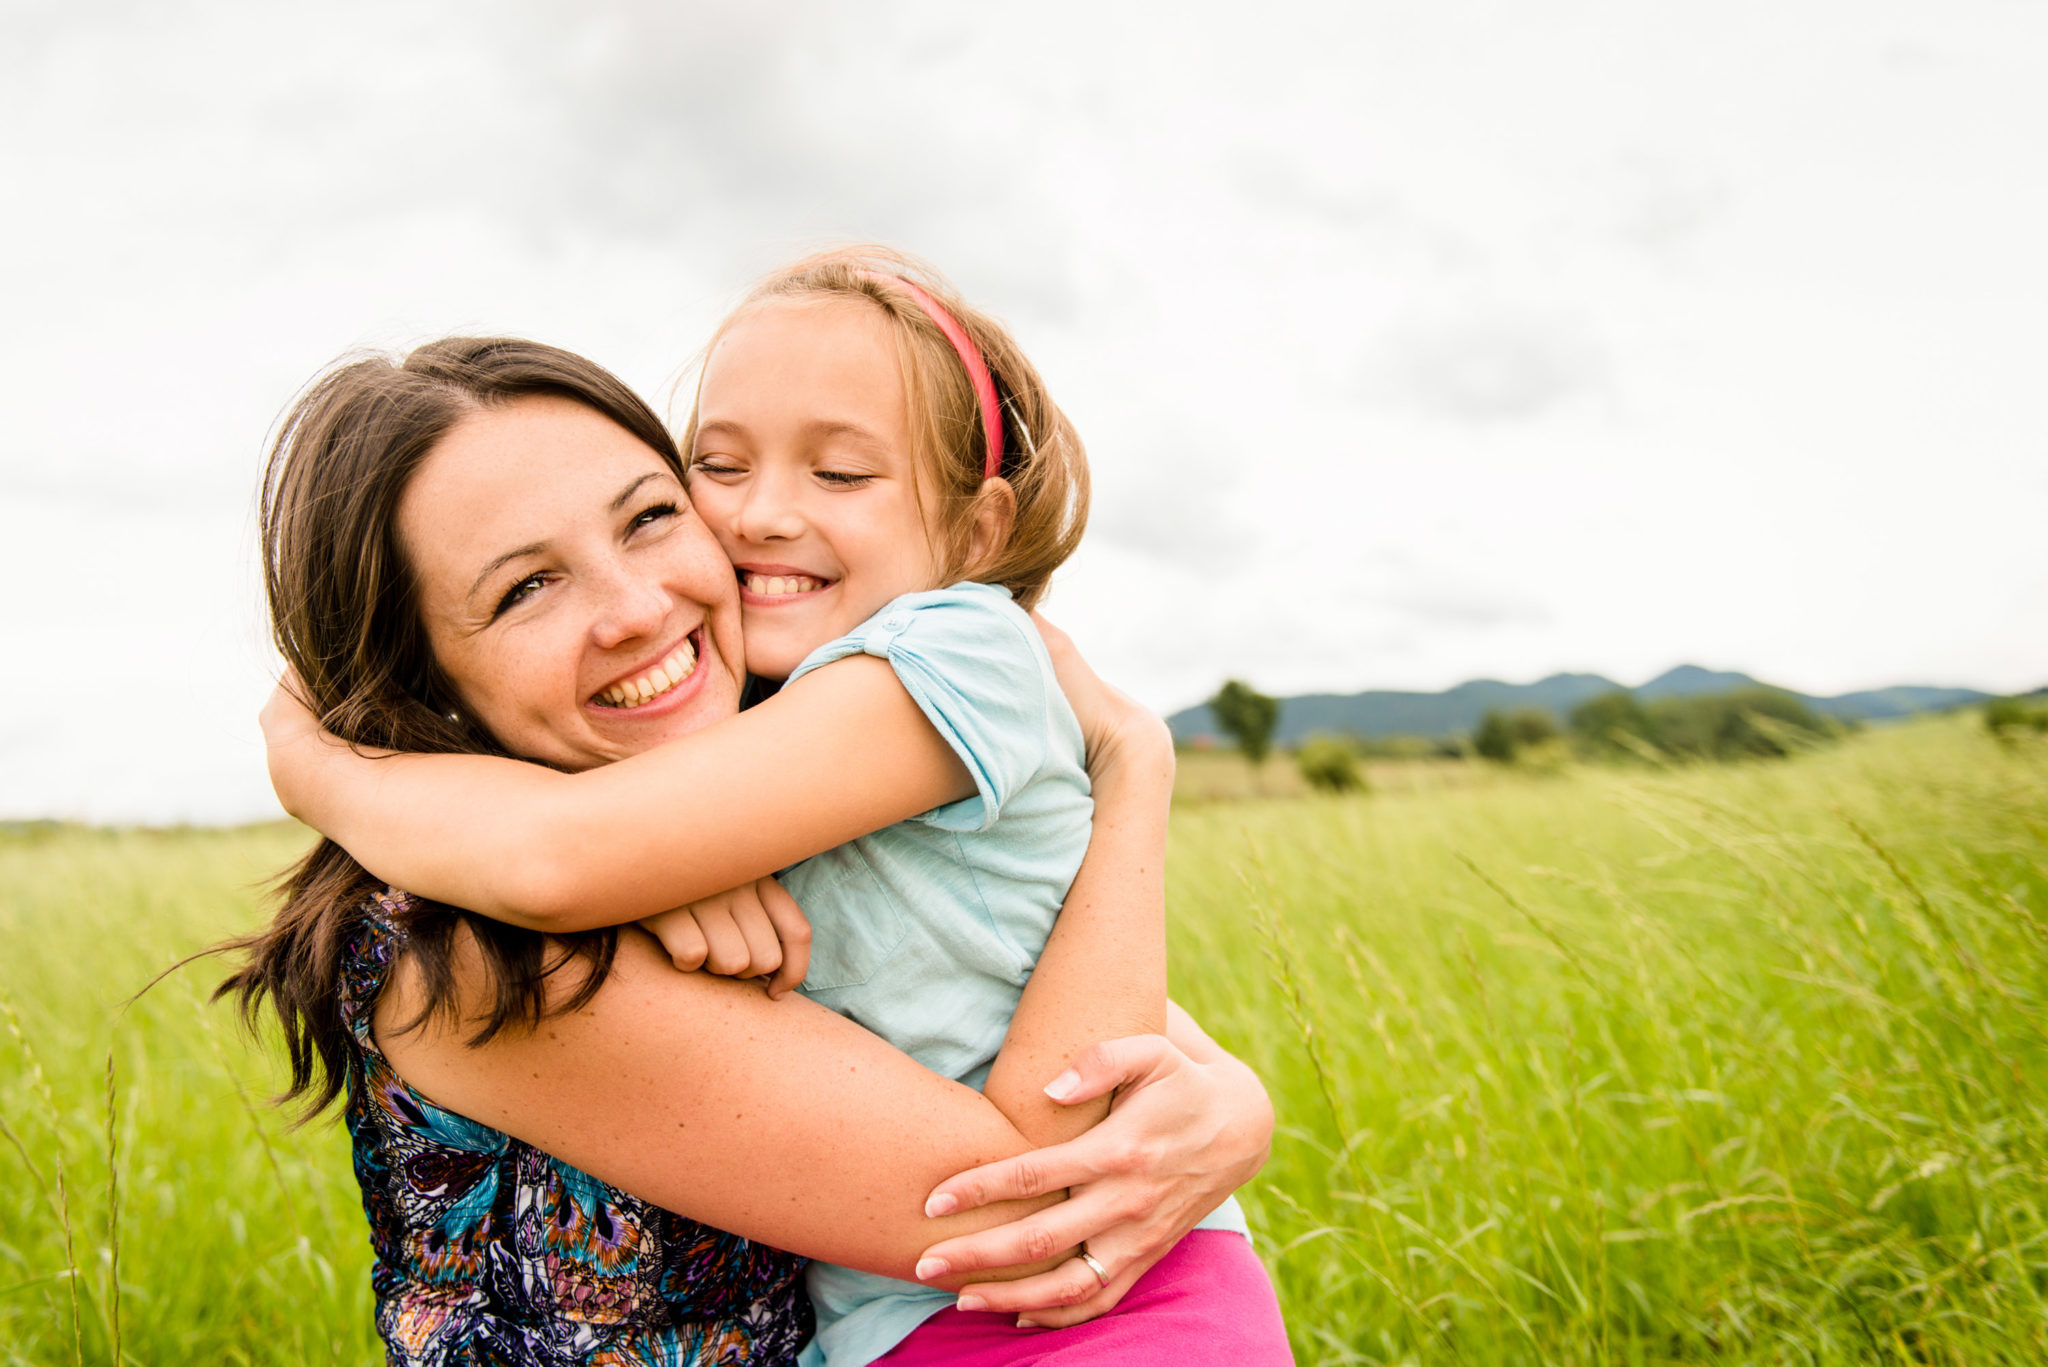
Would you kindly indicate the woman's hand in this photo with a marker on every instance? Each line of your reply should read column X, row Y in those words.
column 1186, row 1130
column 749, row 931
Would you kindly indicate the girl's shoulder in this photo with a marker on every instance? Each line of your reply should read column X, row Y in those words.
column 975, row 665
column 965, row 630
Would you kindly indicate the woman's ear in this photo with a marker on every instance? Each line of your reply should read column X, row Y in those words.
column 988, row 529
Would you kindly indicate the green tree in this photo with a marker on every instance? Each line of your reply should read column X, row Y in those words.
column 1494, row 740
column 1503, row 735
column 1748, row 723
column 1247, row 716
column 1329, row 764
column 1610, row 722
column 2007, row 717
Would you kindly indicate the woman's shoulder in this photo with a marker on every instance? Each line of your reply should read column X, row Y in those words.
column 371, row 948
column 462, row 1212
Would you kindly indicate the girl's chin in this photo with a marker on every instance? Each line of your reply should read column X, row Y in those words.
column 774, row 665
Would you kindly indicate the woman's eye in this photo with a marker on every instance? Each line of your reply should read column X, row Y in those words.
column 519, row 592
column 653, row 513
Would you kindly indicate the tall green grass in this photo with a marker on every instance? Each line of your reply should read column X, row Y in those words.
column 1724, row 1064
column 224, row 1236
column 1718, row 1064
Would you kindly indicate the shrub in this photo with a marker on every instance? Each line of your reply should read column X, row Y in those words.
column 1330, row 764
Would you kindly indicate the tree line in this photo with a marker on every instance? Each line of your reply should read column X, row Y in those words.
column 1749, row 723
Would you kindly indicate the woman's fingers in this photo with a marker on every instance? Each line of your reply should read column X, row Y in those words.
column 1041, row 1235
column 1068, row 1294
column 1103, row 1067
column 1133, row 1061
column 1010, row 1179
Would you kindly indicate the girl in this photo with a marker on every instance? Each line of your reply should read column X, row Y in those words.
column 894, row 488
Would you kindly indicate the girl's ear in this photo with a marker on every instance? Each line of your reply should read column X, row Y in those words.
column 988, row 528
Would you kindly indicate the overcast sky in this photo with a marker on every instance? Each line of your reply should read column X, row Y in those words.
column 1412, row 342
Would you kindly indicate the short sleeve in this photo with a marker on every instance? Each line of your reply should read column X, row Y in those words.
column 975, row 666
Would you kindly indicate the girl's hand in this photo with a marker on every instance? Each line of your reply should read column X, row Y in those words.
column 292, row 739
column 1182, row 1134
column 747, row 932
column 1116, row 728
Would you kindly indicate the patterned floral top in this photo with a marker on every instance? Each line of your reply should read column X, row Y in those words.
column 490, row 1251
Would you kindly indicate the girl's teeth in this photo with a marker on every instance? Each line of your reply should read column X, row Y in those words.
column 682, row 661
column 777, row 585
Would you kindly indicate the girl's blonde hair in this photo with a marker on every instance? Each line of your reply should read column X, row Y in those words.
column 1043, row 461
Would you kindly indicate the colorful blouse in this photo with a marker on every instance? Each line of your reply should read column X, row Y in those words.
column 491, row 1251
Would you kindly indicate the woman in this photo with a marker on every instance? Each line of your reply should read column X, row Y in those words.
column 574, row 1070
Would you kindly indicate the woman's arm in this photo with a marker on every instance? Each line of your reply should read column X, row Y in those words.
column 777, row 1120
column 557, row 852
column 1190, row 1125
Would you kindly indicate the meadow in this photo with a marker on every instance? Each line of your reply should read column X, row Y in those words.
column 1719, row 1064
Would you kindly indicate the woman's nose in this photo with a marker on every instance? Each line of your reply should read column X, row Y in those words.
column 633, row 606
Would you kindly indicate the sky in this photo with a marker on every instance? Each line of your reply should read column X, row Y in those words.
column 1412, row 342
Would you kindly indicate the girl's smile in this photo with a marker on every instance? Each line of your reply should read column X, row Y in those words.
column 803, row 470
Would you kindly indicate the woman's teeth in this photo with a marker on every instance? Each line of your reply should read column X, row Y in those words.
column 655, row 681
column 776, row 584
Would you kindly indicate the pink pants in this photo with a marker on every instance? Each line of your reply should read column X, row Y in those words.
column 1206, row 1304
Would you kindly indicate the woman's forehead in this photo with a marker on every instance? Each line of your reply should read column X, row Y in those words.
column 515, row 478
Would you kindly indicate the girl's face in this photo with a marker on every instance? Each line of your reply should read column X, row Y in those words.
column 803, row 471
column 579, row 607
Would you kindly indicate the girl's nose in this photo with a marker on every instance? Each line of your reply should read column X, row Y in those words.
column 634, row 605
column 767, row 511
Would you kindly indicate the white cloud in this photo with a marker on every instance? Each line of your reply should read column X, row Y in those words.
column 1410, row 343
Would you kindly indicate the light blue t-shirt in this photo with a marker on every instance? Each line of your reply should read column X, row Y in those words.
column 926, row 932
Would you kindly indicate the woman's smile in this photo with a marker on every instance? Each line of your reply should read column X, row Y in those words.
column 661, row 681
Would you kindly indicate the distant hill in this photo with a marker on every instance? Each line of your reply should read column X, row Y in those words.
column 1455, row 711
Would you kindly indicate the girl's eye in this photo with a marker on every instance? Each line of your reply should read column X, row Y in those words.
column 713, row 465
column 843, row 480
column 519, row 592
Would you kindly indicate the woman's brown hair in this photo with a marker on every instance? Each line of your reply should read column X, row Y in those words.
column 345, row 617
column 1044, row 463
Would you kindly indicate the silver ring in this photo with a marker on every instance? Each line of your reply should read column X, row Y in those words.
column 1101, row 1272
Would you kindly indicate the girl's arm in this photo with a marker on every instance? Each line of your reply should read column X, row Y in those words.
column 557, row 852
column 1102, row 974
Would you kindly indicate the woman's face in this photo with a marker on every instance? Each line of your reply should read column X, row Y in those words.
column 581, row 610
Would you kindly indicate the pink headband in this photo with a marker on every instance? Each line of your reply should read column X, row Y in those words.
column 970, row 356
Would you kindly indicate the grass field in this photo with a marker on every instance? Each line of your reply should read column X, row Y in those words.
column 1741, row 1064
